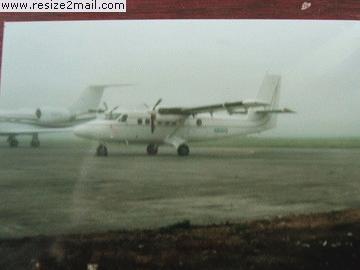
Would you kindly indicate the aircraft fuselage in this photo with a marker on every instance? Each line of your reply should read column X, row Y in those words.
column 137, row 129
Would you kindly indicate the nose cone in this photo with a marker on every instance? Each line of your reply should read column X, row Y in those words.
column 84, row 131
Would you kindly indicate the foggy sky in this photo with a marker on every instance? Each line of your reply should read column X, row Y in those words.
column 191, row 62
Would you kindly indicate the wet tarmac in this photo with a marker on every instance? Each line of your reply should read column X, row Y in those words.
column 64, row 188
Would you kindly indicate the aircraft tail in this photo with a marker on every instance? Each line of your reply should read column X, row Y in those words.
column 269, row 93
column 89, row 100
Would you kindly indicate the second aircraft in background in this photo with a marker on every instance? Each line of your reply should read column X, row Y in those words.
column 50, row 119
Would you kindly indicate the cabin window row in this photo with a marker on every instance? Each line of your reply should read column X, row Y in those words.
column 147, row 121
column 164, row 123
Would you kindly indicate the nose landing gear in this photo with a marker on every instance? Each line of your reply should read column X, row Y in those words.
column 102, row 151
column 12, row 141
column 35, row 142
column 152, row 149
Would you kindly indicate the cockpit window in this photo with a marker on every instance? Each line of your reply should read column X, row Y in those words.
column 140, row 121
column 124, row 118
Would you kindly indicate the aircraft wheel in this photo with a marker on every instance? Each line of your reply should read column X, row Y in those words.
column 152, row 149
column 102, row 151
column 35, row 143
column 13, row 142
column 183, row 150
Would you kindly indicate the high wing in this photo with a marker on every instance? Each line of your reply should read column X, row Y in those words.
column 230, row 107
column 7, row 129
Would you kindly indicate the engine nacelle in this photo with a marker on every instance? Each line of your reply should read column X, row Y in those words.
column 52, row 116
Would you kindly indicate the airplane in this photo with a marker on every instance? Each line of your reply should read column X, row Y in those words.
column 51, row 119
column 177, row 126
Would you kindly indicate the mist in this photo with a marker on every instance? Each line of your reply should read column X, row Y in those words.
column 191, row 62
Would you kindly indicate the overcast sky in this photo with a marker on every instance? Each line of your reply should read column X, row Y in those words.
column 191, row 62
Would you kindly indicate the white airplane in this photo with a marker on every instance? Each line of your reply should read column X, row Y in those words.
column 51, row 119
column 177, row 126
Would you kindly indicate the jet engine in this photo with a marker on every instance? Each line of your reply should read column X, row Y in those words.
column 49, row 116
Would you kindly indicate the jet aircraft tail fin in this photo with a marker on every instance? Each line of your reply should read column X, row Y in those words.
column 90, row 98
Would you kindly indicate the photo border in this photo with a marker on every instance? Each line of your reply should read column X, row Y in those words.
column 201, row 9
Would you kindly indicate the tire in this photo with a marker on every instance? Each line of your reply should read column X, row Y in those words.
column 35, row 143
column 101, row 151
column 183, row 150
column 14, row 143
column 152, row 149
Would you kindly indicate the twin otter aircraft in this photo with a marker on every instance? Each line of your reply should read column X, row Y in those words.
column 177, row 126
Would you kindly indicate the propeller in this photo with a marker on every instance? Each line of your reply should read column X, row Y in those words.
column 157, row 103
column 111, row 111
column 153, row 115
column 105, row 106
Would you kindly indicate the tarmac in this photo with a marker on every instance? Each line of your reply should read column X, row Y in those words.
column 62, row 187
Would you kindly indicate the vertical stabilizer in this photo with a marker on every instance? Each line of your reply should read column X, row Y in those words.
column 269, row 93
column 89, row 99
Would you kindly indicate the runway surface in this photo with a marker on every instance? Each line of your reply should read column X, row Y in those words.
column 63, row 188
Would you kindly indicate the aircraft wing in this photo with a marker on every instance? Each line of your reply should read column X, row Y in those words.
column 284, row 110
column 230, row 107
column 7, row 129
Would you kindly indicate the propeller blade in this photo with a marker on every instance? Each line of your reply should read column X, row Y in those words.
column 113, row 109
column 105, row 106
column 152, row 121
column 157, row 103
column 111, row 112
column 153, row 115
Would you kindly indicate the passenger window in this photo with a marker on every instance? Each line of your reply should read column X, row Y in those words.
column 198, row 122
column 167, row 123
column 159, row 123
column 124, row 118
column 173, row 123
column 147, row 121
column 140, row 121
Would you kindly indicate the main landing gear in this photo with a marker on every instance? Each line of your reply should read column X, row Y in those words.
column 152, row 149
column 183, row 150
column 35, row 141
column 12, row 141
column 102, row 151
